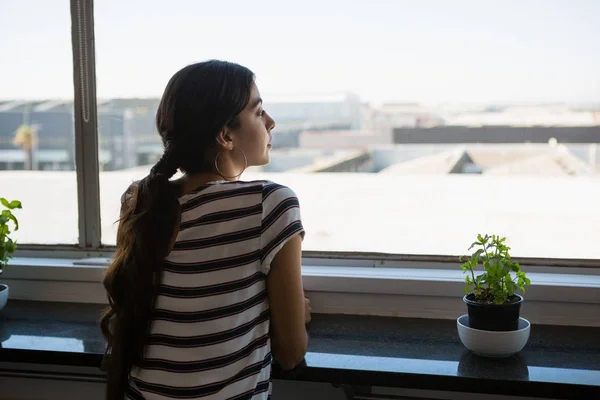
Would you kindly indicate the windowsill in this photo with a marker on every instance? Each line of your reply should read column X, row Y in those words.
column 554, row 298
column 397, row 353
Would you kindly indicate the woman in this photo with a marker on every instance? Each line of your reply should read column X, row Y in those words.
column 205, row 287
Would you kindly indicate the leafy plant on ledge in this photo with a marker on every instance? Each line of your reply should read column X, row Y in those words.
column 7, row 245
column 495, row 285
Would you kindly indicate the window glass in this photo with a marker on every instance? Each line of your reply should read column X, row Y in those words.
column 404, row 127
column 37, row 159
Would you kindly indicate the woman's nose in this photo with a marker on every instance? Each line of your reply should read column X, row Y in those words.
column 270, row 122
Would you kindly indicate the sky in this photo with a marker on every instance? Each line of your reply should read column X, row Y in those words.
column 427, row 51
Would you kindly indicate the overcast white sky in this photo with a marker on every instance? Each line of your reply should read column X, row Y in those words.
column 430, row 51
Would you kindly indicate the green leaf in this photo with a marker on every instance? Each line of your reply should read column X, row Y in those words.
column 10, row 246
column 523, row 280
column 14, row 219
column 475, row 257
column 466, row 266
column 14, row 204
column 474, row 244
column 511, row 287
column 479, row 279
column 4, row 202
column 506, row 266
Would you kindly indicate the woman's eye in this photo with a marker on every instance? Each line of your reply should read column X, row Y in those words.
column 261, row 113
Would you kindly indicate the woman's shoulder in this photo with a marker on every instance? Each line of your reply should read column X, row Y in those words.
column 271, row 191
column 274, row 189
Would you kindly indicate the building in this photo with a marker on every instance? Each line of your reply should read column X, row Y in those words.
column 335, row 111
column 127, row 134
column 54, row 147
column 384, row 119
column 334, row 140
column 295, row 114
column 524, row 124
column 497, row 134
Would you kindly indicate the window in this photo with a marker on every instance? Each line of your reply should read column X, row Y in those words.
column 37, row 141
column 404, row 128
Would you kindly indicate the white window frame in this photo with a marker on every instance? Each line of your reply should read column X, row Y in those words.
column 412, row 287
column 565, row 291
column 86, row 123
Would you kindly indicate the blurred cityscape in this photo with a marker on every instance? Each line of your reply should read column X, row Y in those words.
column 332, row 133
column 396, row 178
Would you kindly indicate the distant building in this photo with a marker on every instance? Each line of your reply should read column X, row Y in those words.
column 335, row 111
column 138, row 143
column 334, row 140
column 384, row 119
column 54, row 149
column 497, row 134
column 295, row 114
column 126, row 133
column 514, row 124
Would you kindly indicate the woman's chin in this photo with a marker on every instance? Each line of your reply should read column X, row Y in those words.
column 264, row 161
column 267, row 157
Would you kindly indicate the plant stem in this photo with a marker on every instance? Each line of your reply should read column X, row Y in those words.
column 487, row 257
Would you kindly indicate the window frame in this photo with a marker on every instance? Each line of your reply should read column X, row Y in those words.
column 400, row 285
column 88, row 181
column 558, row 295
column 86, row 123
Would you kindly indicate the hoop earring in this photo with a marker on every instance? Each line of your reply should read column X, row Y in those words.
column 231, row 177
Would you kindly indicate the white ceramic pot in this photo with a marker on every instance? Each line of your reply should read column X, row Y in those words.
column 493, row 343
column 3, row 295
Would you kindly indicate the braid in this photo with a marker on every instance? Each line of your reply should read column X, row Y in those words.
column 143, row 239
column 166, row 166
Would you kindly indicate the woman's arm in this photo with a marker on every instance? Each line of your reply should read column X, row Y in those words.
column 289, row 308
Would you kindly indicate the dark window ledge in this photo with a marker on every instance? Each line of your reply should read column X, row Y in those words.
column 558, row 362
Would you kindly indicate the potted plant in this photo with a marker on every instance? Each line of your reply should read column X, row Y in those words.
column 491, row 298
column 7, row 244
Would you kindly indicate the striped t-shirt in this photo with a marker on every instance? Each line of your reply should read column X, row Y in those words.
column 209, row 334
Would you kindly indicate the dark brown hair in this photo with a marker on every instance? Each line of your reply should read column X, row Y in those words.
column 198, row 102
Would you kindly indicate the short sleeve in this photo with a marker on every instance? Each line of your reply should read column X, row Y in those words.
column 281, row 221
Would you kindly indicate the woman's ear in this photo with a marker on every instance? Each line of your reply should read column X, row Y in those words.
column 224, row 139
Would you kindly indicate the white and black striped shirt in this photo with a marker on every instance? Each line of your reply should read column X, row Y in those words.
column 209, row 335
